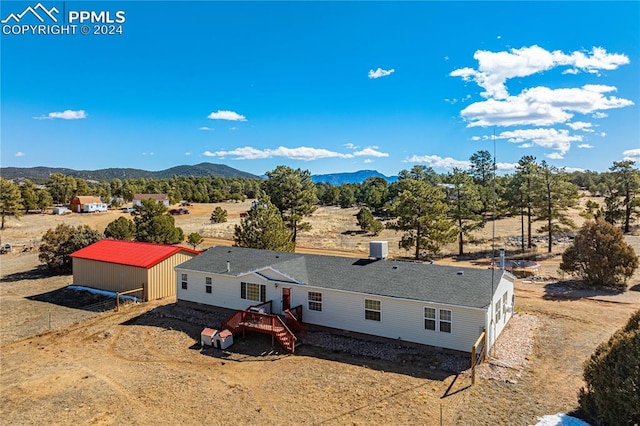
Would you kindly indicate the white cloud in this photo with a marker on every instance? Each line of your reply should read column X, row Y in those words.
column 600, row 115
column 349, row 145
column 581, row 125
column 495, row 68
column 475, row 138
column 585, row 146
column 446, row 58
column 64, row 115
column 226, row 115
column 380, row 73
column 506, row 166
column 573, row 71
column 368, row 161
column 233, row 128
column 541, row 106
column 632, row 155
column 147, row 153
column 439, row 162
column 557, row 140
column 573, row 169
column 187, row 153
column 554, row 156
column 370, row 152
column 206, row 129
column 300, row 153
column 450, row 163
column 603, row 134
column 20, row 154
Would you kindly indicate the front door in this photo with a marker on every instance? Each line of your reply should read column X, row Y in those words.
column 286, row 299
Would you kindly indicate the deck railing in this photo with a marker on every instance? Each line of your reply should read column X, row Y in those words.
column 293, row 318
column 264, row 323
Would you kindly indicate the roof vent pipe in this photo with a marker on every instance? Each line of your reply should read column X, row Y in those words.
column 228, row 266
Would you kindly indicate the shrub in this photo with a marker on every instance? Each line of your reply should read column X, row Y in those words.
column 58, row 244
column 219, row 215
column 612, row 376
column 600, row 256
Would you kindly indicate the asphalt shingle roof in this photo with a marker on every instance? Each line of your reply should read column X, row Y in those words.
column 427, row 282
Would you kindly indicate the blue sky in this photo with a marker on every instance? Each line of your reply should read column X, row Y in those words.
column 324, row 86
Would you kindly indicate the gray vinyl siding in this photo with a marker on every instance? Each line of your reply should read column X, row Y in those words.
column 505, row 286
column 400, row 318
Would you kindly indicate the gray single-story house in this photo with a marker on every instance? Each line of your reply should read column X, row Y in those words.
column 431, row 304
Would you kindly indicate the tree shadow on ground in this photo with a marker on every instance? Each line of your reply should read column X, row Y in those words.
column 76, row 299
column 417, row 361
column 354, row 232
column 40, row 271
column 574, row 290
column 635, row 287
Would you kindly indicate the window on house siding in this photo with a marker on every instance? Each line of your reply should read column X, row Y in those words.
column 430, row 319
column 504, row 304
column 445, row 321
column 184, row 281
column 498, row 310
column 255, row 292
column 315, row 301
column 372, row 309
column 208, row 285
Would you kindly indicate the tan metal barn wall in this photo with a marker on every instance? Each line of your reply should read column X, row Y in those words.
column 162, row 277
column 108, row 276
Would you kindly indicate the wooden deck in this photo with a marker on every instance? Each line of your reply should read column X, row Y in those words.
column 255, row 318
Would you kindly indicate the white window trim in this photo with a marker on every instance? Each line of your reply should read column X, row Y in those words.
column 379, row 311
column 310, row 301
column 260, row 291
column 449, row 321
column 434, row 318
column 184, row 279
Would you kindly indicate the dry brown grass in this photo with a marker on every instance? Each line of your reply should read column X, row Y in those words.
column 138, row 367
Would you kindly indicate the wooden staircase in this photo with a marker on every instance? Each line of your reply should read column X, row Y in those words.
column 264, row 323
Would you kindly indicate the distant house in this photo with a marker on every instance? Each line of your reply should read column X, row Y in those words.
column 87, row 204
column 118, row 266
column 160, row 198
column 435, row 305
column 60, row 210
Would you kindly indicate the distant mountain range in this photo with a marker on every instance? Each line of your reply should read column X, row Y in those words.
column 41, row 174
column 337, row 179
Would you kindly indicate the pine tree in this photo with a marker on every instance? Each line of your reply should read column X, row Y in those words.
column 464, row 204
column 294, row 194
column 421, row 214
column 553, row 197
column 10, row 200
column 263, row 228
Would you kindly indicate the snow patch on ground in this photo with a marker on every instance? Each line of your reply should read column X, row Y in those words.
column 560, row 419
column 102, row 292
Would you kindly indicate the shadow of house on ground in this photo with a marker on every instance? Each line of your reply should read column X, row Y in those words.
column 38, row 272
column 574, row 290
column 76, row 299
column 396, row 357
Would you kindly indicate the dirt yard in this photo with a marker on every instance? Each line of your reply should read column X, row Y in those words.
column 63, row 363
